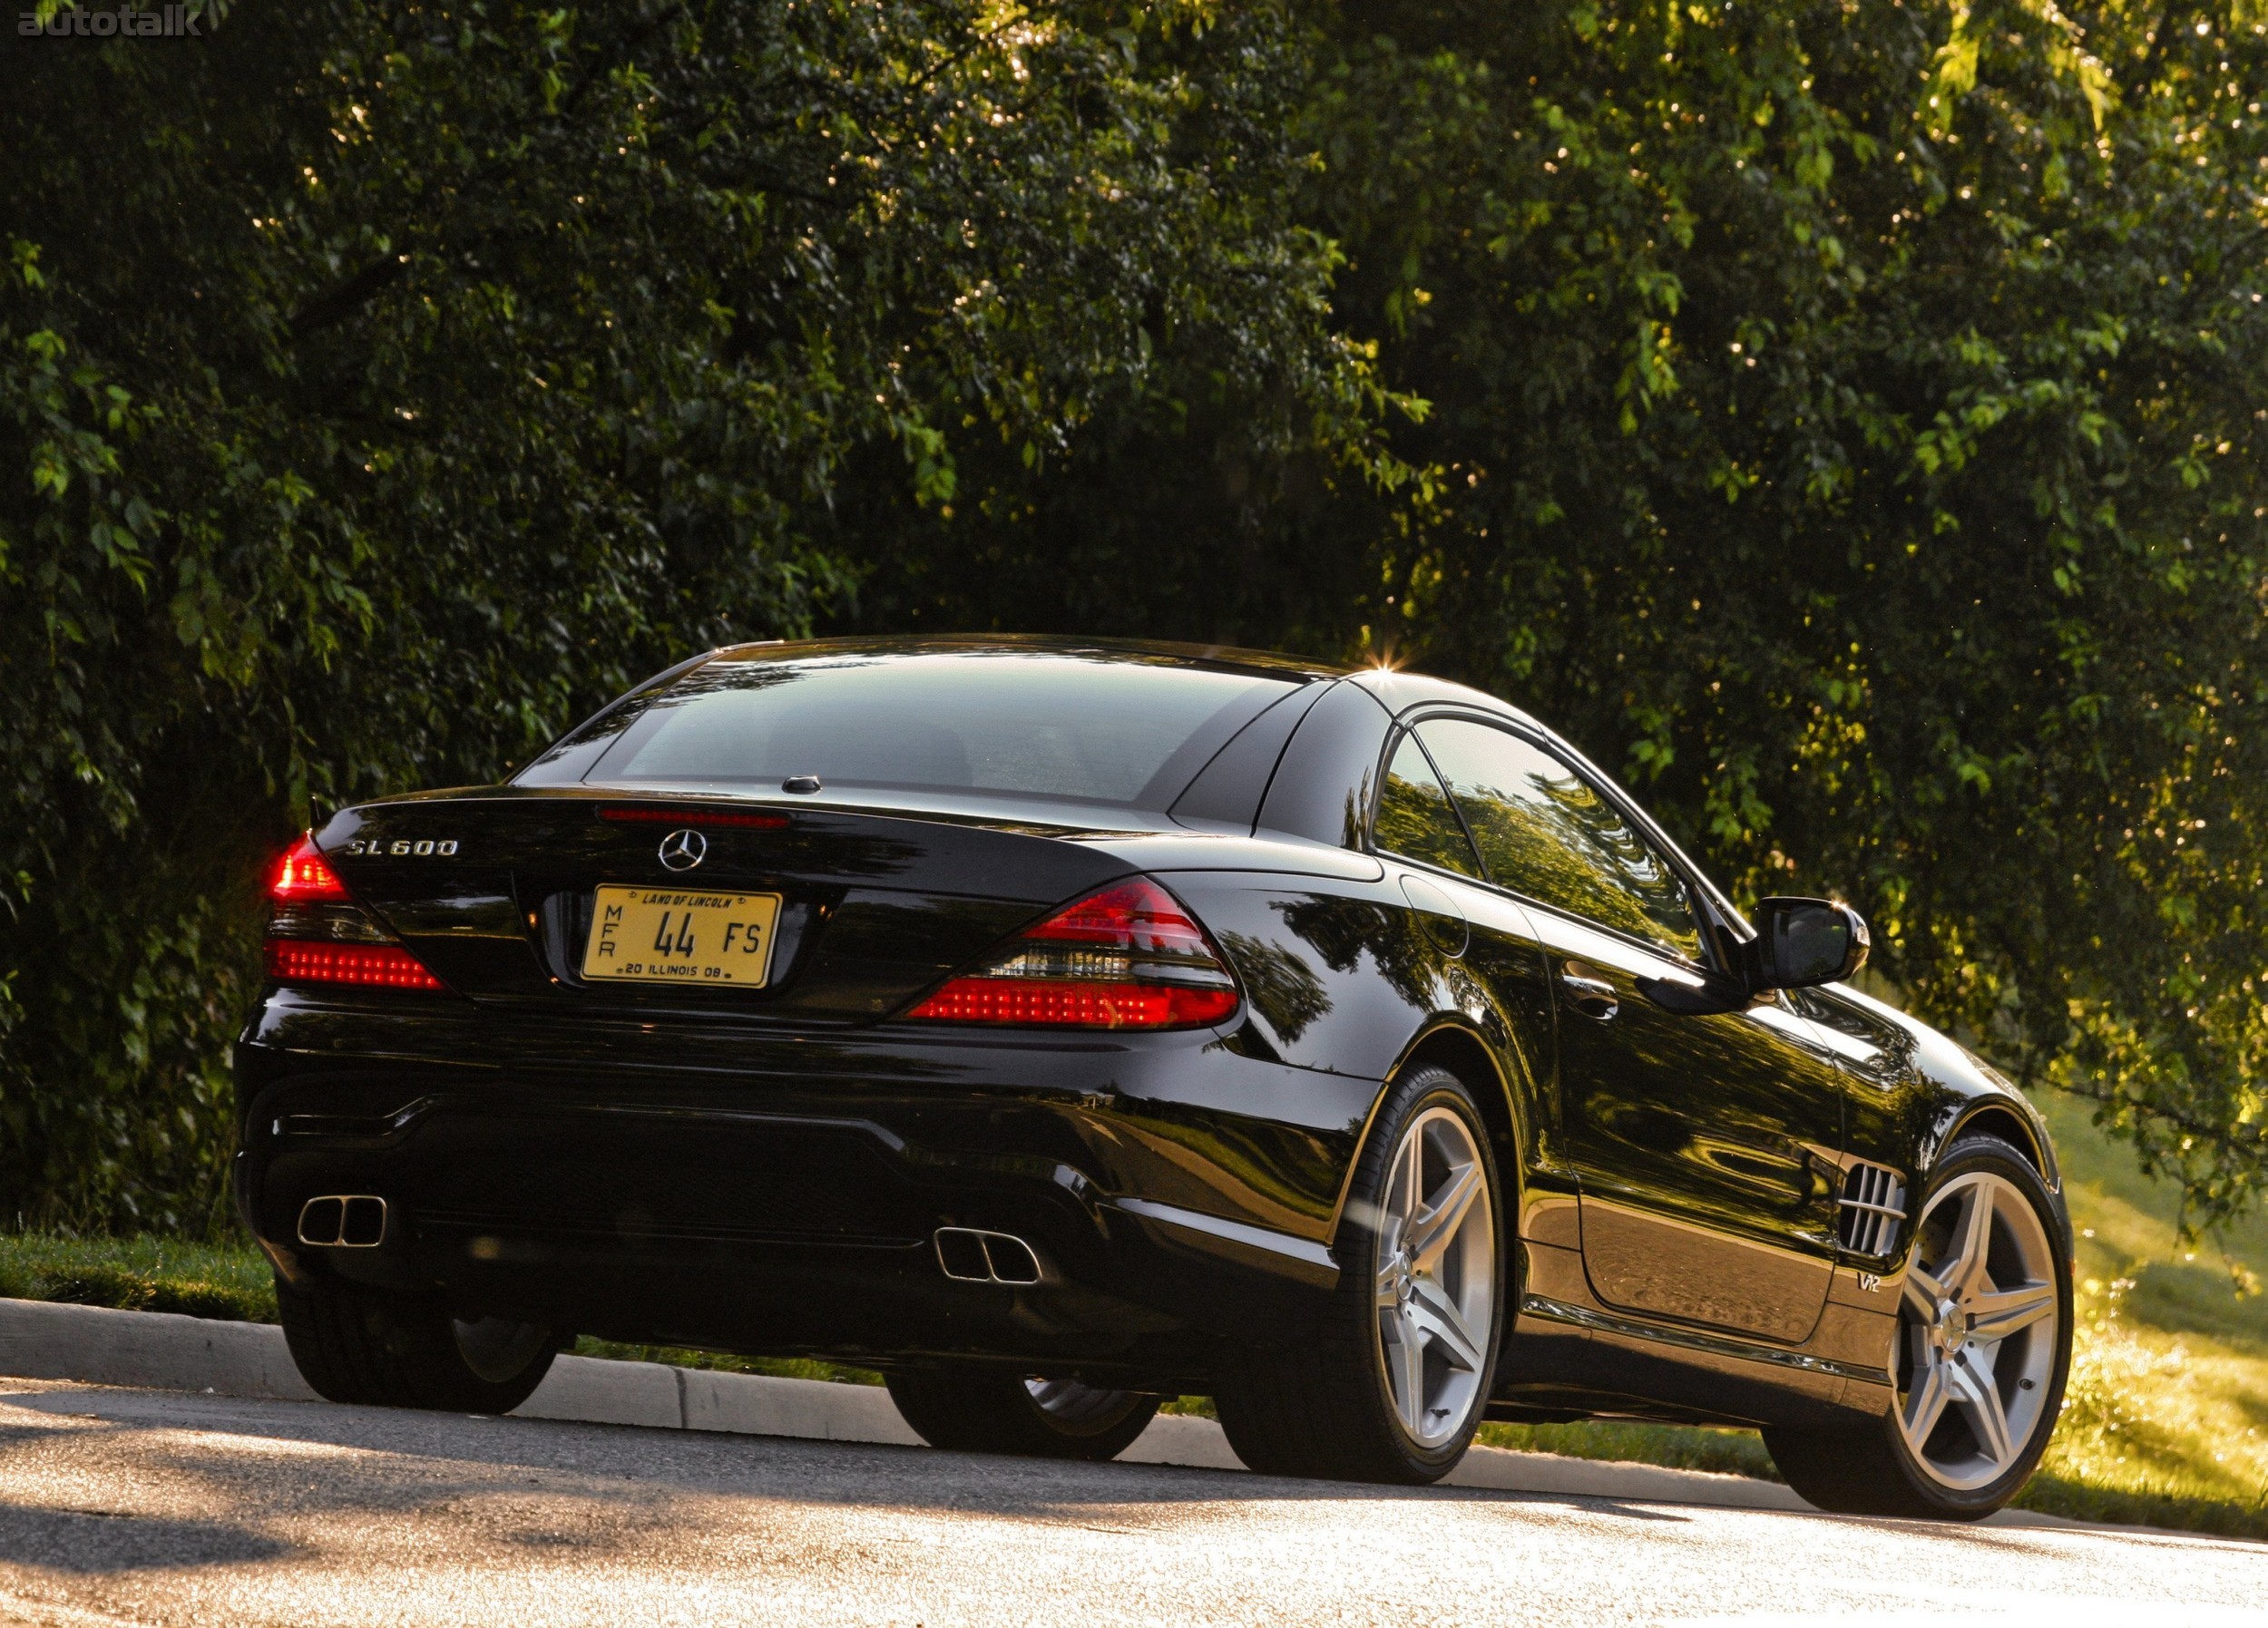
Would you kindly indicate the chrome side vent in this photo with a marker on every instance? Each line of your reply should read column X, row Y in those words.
column 1874, row 1205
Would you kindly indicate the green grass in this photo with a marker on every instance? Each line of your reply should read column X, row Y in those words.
column 2165, row 1423
column 232, row 1282
column 228, row 1281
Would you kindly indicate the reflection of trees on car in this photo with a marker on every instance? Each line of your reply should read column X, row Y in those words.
column 1282, row 987
column 1551, row 845
column 1342, row 929
column 1414, row 816
column 1543, row 832
column 1280, row 1167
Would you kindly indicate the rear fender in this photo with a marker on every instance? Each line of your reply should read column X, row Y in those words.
column 1338, row 974
column 1492, row 1067
column 1342, row 978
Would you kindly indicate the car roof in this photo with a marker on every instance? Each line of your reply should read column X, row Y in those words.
column 1131, row 651
column 1399, row 692
column 1395, row 689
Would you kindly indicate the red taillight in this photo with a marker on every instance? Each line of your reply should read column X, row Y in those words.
column 1135, row 916
column 317, row 934
column 303, row 876
column 378, row 966
column 1065, row 1004
column 1128, row 957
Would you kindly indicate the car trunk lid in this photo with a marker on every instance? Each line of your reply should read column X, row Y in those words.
column 496, row 891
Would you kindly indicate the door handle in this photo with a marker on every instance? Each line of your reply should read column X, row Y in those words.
column 1589, row 993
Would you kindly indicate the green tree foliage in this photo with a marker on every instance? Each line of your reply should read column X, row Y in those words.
column 1847, row 417
column 382, row 385
column 1841, row 417
column 1844, row 418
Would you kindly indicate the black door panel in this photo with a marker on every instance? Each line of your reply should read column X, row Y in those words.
column 1704, row 1145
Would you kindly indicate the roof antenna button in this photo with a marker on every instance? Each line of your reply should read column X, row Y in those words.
column 803, row 785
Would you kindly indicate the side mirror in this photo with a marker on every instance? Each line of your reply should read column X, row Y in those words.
column 1806, row 942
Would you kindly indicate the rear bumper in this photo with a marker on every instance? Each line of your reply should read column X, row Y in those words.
column 773, row 1191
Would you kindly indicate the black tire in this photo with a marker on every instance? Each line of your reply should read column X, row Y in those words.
column 992, row 1410
column 1871, row 1468
column 387, row 1348
column 1323, row 1405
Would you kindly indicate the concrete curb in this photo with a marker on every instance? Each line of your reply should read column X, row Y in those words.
column 155, row 1350
column 160, row 1352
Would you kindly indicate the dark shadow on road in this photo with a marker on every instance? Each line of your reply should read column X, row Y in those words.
column 444, row 1459
column 437, row 1460
column 94, row 1542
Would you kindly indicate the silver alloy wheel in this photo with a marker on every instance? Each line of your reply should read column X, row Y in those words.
column 1977, row 1331
column 1436, row 1277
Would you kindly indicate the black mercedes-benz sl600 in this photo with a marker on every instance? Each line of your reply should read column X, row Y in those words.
column 1060, row 1026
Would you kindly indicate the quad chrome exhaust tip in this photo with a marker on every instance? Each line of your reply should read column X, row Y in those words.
column 343, row 1220
column 970, row 1256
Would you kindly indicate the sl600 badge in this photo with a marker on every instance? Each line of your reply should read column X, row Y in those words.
column 402, row 847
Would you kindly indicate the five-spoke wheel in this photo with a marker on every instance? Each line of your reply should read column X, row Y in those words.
column 1436, row 1274
column 1981, row 1348
column 1390, row 1383
column 1976, row 1331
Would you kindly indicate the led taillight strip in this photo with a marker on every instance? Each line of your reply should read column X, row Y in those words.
column 1066, row 1004
column 370, row 965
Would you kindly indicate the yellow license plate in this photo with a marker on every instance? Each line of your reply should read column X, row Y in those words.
column 666, row 935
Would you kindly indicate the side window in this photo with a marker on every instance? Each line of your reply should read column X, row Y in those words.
column 1414, row 818
column 1545, row 833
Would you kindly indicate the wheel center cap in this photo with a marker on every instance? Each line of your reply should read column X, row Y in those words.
column 1952, row 1328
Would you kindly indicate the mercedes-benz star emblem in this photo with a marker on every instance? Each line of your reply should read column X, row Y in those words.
column 682, row 850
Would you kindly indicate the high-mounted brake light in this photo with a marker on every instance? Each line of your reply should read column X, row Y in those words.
column 694, row 817
column 1128, row 957
column 317, row 933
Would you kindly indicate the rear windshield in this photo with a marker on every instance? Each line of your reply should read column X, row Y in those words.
column 1085, row 729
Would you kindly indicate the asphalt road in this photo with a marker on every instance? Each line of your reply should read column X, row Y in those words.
column 147, row 1506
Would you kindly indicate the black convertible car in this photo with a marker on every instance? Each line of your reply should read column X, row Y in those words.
column 1060, row 1026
